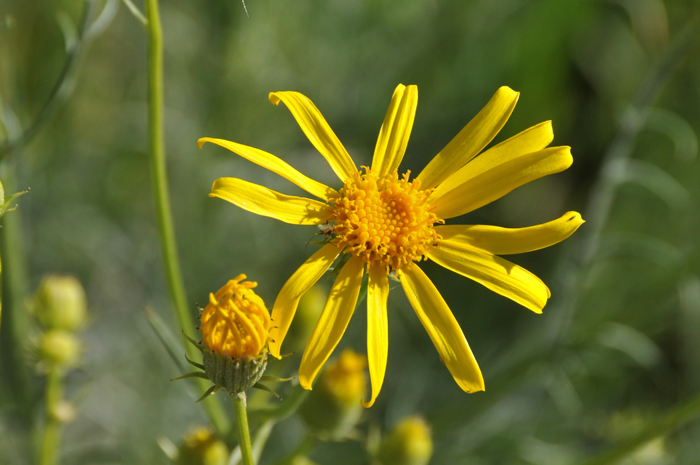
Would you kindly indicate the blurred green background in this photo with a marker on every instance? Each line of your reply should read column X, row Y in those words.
column 618, row 344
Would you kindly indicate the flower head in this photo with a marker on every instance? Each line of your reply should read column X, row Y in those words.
column 235, row 327
column 235, row 322
column 408, row 443
column 382, row 223
column 332, row 409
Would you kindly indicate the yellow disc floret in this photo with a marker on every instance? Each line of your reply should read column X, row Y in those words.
column 236, row 322
column 383, row 219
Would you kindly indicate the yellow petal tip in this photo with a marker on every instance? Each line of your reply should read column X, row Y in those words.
column 202, row 141
column 367, row 404
column 274, row 98
column 508, row 90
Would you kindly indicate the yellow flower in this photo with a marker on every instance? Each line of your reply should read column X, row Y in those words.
column 235, row 322
column 235, row 328
column 384, row 224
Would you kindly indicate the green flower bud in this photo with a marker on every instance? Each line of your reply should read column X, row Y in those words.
column 201, row 447
column 60, row 303
column 58, row 348
column 409, row 443
column 333, row 407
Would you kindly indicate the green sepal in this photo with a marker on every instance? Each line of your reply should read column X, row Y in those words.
column 274, row 379
column 286, row 355
column 194, row 374
column 209, row 392
column 262, row 387
column 194, row 364
column 194, row 343
column 231, row 374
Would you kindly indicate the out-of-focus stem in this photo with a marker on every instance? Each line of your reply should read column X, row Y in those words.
column 15, row 319
column 51, row 440
column 672, row 420
column 240, row 407
column 159, row 180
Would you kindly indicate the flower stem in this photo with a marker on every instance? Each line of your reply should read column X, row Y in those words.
column 15, row 318
column 672, row 420
column 239, row 406
column 159, row 180
column 51, row 439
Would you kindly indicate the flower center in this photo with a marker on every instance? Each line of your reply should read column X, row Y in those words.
column 236, row 322
column 383, row 219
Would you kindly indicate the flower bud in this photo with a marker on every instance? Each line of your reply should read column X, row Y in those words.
column 408, row 443
column 201, row 447
column 58, row 348
column 60, row 303
column 235, row 327
column 333, row 407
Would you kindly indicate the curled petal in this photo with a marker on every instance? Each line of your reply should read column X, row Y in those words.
column 496, row 273
column 274, row 164
column 266, row 202
column 288, row 299
column 334, row 319
column 507, row 241
column 318, row 131
column 472, row 139
column 377, row 328
column 442, row 327
column 396, row 130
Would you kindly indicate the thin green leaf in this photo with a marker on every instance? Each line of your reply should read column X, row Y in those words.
column 194, row 374
column 194, row 364
column 274, row 379
column 166, row 337
column 262, row 387
column 212, row 390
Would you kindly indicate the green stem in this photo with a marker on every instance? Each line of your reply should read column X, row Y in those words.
column 159, row 179
column 671, row 421
column 239, row 406
column 51, row 440
column 15, row 323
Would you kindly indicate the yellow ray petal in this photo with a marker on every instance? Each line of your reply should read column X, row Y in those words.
column 506, row 241
column 288, row 299
column 274, row 164
column 377, row 328
column 334, row 319
column 263, row 201
column 530, row 140
column 396, row 130
column 442, row 327
column 496, row 273
column 472, row 139
column 318, row 131
column 488, row 180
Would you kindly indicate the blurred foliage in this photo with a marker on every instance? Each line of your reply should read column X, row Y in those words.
column 624, row 345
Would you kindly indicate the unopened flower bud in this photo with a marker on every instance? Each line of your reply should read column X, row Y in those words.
column 235, row 327
column 408, row 443
column 60, row 303
column 201, row 447
column 58, row 348
column 333, row 407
